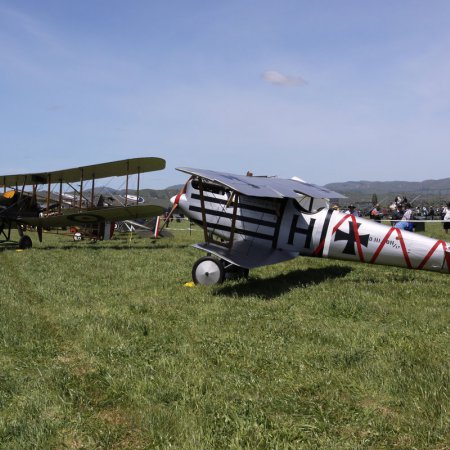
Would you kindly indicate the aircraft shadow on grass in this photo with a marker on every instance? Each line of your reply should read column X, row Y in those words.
column 7, row 246
column 271, row 288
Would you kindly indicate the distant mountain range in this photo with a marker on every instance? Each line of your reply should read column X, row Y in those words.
column 356, row 191
column 428, row 190
column 428, row 187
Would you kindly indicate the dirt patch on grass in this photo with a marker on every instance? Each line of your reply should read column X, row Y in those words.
column 78, row 364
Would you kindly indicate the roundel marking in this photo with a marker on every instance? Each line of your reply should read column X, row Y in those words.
column 85, row 218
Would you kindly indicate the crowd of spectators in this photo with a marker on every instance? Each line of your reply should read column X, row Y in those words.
column 401, row 213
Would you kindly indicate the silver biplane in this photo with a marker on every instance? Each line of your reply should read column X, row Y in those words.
column 251, row 221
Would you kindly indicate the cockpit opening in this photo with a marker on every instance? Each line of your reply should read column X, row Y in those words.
column 312, row 205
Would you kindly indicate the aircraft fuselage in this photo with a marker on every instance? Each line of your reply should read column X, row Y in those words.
column 285, row 226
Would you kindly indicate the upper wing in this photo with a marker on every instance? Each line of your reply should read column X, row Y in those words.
column 96, row 215
column 95, row 171
column 263, row 186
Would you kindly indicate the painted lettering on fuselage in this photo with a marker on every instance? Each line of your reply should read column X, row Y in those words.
column 276, row 222
column 308, row 231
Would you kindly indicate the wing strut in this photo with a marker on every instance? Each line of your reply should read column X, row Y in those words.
column 202, row 206
column 6, row 235
column 235, row 198
column 92, row 191
column 23, row 189
column 60, row 196
column 81, row 189
column 137, row 187
column 126, row 185
column 48, row 192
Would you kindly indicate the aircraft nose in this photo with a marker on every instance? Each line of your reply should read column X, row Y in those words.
column 178, row 199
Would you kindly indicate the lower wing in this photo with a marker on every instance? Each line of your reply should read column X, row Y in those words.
column 247, row 254
column 92, row 216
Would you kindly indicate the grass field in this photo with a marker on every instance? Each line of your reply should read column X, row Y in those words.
column 102, row 346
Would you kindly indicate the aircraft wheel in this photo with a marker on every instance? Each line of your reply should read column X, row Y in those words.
column 25, row 242
column 208, row 271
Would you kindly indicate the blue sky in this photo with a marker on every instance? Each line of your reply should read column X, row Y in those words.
column 325, row 90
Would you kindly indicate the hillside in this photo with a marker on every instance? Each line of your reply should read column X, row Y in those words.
column 428, row 191
column 427, row 187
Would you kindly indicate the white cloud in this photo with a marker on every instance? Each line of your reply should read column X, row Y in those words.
column 275, row 77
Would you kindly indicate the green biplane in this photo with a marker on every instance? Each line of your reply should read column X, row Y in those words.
column 19, row 205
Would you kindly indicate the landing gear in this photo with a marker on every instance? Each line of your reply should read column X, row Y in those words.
column 233, row 272
column 25, row 242
column 210, row 271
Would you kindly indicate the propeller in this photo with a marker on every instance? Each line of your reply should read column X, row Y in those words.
column 176, row 201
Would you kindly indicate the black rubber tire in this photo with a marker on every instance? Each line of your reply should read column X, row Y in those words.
column 25, row 242
column 208, row 271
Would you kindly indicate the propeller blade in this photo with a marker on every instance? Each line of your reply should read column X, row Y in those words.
column 174, row 205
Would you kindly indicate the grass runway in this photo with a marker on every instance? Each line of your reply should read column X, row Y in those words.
column 102, row 346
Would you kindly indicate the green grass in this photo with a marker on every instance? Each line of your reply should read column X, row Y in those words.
column 102, row 346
